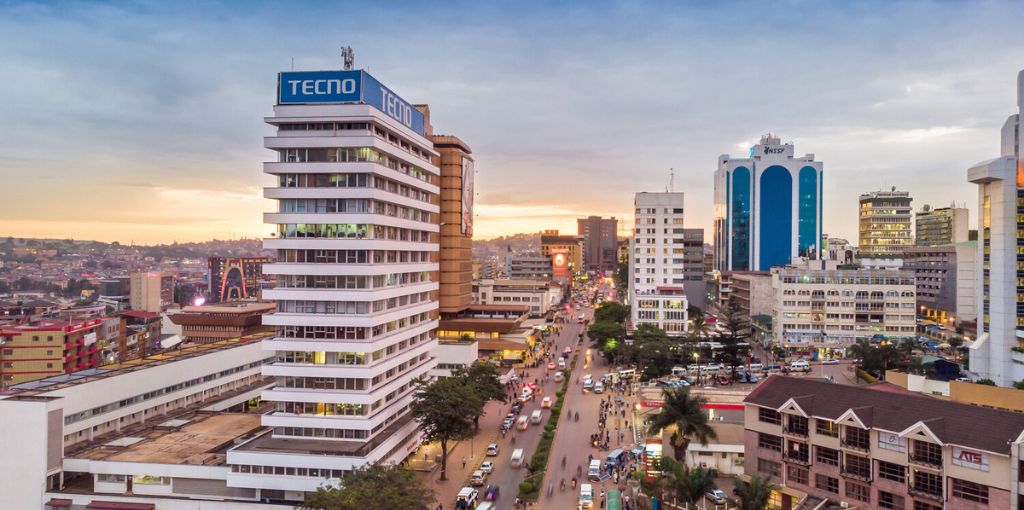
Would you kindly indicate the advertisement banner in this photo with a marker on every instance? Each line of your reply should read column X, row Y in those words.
column 891, row 441
column 467, row 197
column 90, row 338
column 970, row 459
column 343, row 87
column 560, row 262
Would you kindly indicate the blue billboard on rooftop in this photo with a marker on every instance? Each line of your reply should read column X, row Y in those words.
column 343, row 87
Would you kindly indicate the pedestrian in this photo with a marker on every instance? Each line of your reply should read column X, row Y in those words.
column 463, row 463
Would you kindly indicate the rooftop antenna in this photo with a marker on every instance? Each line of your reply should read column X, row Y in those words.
column 671, row 180
column 348, row 57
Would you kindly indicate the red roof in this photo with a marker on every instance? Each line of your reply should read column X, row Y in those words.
column 139, row 314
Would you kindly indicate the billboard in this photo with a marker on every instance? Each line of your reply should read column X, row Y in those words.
column 467, row 197
column 345, row 87
column 560, row 262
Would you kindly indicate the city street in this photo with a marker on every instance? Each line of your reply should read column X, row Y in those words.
column 505, row 477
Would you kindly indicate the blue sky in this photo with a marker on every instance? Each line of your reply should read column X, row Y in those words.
column 143, row 121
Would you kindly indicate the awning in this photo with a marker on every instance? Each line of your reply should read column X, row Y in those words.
column 498, row 344
column 171, row 341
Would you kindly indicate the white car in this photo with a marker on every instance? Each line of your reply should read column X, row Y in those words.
column 545, row 402
column 487, row 467
column 717, row 496
column 492, row 450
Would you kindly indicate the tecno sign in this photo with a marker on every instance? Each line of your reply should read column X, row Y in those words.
column 341, row 87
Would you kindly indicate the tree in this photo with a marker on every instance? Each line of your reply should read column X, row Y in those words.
column 1019, row 385
column 687, row 484
column 985, row 382
column 754, row 494
column 611, row 311
column 483, row 377
column 699, row 326
column 684, row 412
column 601, row 332
column 444, row 409
column 372, row 486
column 735, row 330
column 955, row 343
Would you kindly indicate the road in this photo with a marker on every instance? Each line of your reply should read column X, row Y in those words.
column 505, row 477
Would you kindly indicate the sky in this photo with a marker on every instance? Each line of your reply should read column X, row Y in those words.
column 143, row 121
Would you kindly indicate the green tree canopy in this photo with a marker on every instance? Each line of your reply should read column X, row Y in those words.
column 754, row 494
column 484, row 379
column 602, row 331
column 444, row 409
column 372, row 486
column 611, row 311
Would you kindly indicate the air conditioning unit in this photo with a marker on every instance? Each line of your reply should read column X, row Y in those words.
column 844, row 504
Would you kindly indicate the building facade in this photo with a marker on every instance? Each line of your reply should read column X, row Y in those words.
column 551, row 242
column 998, row 352
column 48, row 348
column 528, row 266
column 768, row 207
column 356, row 277
column 457, row 192
column 239, row 278
column 880, row 447
column 821, row 310
column 944, row 276
column 213, row 323
column 600, row 242
column 884, row 223
column 152, row 291
column 942, row 226
column 539, row 295
column 657, row 269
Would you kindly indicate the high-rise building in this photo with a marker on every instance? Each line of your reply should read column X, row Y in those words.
column 657, row 267
column 528, row 266
column 239, row 278
column 457, row 176
column 942, row 226
column 599, row 242
column 152, row 291
column 998, row 352
column 767, row 207
column 356, row 286
column 884, row 220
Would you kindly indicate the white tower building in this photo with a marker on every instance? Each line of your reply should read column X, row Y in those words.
column 656, row 263
column 356, row 237
column 998, row 352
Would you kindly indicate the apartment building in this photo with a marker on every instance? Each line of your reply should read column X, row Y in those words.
column 945, row 280
column 657, row 264
column 941, row 226
column 600, row 242
column 884, row 223
column 47, row 348
column 820, row 310
column 539, row 295
column 528, row 266
column 152, row 291
column 881, row 447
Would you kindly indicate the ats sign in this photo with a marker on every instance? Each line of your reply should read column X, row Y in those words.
column 342, row 87
column 970, row 459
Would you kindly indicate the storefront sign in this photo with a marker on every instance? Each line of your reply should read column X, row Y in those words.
column 891, row 441
column 970, row 459
column 651, row 403
column 90, row 338
column 343, row 87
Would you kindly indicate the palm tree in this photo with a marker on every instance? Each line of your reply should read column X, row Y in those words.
column 754, row 494
column 684, row 412
column 699, row 326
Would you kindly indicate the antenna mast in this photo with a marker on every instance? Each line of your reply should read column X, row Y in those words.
column 671, row 180
column 348, row 58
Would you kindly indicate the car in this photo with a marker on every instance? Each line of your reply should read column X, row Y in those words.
column 516, row 408
column 567, row 351
column 552, row 366
column 492, row 450
column 561, row 363
column 559, row 376
column 545, row 402
column 466, row 498
column 598, row 388
column 717, row 496
column 523, row 423
column 579, row 321
column 491, row 493
column 477, row 478
column 830, row 362
column 752, row 378
column 487, row 467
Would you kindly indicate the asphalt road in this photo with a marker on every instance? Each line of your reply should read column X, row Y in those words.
column 504, row 476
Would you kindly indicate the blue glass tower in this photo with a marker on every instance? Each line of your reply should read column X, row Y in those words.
column 767, row 207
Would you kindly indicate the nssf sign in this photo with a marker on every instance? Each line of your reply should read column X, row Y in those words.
column 340, row 87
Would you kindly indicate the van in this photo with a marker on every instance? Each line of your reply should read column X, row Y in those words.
column 594, row 471
column 586, row 496
column 535, row 417
column 517, row 457
column 599, row 388
column 466, row 498
column 756, row 367
column 486, row 505
column 477, row 478
column 627, row 373
column 679, row 371
column 522, row 423
column 615, row 458
column 800, row 366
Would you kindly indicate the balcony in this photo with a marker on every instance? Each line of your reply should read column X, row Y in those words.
column 925, row 493
column 791, row 430
column 858, row 446
column 862, row 475
column 797, row 459
column 926, row 461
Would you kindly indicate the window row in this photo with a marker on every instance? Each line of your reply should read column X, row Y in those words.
column 349, row 307
column 847, row 280
column 351, row 281
column 352, row 256
column 351, row 155
column 350, row 333
column 352, row 205
column 350, row 231
column 353, row 181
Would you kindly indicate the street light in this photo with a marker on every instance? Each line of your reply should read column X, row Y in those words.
column 696, row 357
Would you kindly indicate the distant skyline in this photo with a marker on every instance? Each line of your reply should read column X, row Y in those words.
column 143, row 121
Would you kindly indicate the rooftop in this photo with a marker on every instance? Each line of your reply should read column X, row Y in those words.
column 881, row 408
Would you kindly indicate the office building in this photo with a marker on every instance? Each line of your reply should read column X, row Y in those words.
column 942, row 226
column 751, row 295
column 528, row 266
column 884, row 223
column 767, row 208
column 212, row 323
column 539, row 295
column 570, row 247
column 47, row 348
column 838, row 249
column 457, row 192
column 880, row 447
column 600, row 242
column 657, row 267
column 820, row 310
column 149, row 434
column 945, row 281
column 152, row 291
column 357, row 281
column 998, row 351
column 239, row 278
